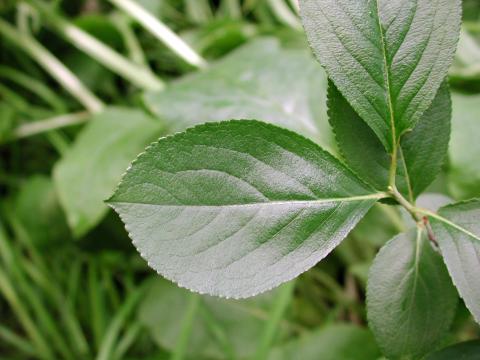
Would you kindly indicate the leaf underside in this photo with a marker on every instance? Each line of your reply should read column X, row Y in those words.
column 411, row 301
column 422, row 151
column 458, row 234
column 236, row 208
column 388, row 58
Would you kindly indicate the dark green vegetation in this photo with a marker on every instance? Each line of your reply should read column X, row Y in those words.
column 235, row 208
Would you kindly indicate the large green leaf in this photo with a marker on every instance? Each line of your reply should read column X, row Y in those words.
column 457, row 230
column 388, row 58
column 38, row 212
column 92, row 167
column 334, row 342
column 464, row 169
column 464, row 351
column 238, row 207
column 221, row 327
column 411, row 301
column 423, row 150
column 261, row 80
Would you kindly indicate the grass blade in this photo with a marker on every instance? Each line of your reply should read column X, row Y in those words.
column 53, row 66
column 274, row 320
column 186, row 329
column 16, row 341
column 41, row 126
column 111, row 335
column 105, row 55
column 135, row 51
column 33, row 85
column 161, row 32
column 284, row 14
column 11, row 296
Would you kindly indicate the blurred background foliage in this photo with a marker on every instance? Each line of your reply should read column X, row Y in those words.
column 84, row 87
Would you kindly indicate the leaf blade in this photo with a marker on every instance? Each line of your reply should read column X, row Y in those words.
column 411, row 301
column 422, row 151
column 458, row 233
column 243, row 198
column 92, row 167
column 260, row 80
column 464, row 169
column 387, row 58
column 466, row 351
column 332, row 342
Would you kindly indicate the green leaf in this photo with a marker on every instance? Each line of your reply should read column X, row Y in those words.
column 464, row 351
column 7, row 114
column 422, row 151
column 239, row 207
column 388, row 58
column 37, row 209
column 334, row 342
column 457, row 230
column 221, row 327
column 261, row 80
column 464, row 169
column 92, row 167
column 411, row 301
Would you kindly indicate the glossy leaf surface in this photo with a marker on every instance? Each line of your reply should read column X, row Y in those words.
column 411, row 301
column 237, row 208
column 94, row 165
column 423, row 150
column 261, row 80
column 457, row 231
column 388, row 58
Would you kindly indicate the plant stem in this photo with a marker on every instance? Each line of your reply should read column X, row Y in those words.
column 405, row 203
column 53, row 66
column 41, row 126
column 137, row 75
column 161, row 32
column 186, row 329
column 271, row 327
column 411, row 196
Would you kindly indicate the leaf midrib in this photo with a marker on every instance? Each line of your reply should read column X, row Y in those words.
column 452, row 224
column 416, row 275
column 376, row 196
column 387, row 80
